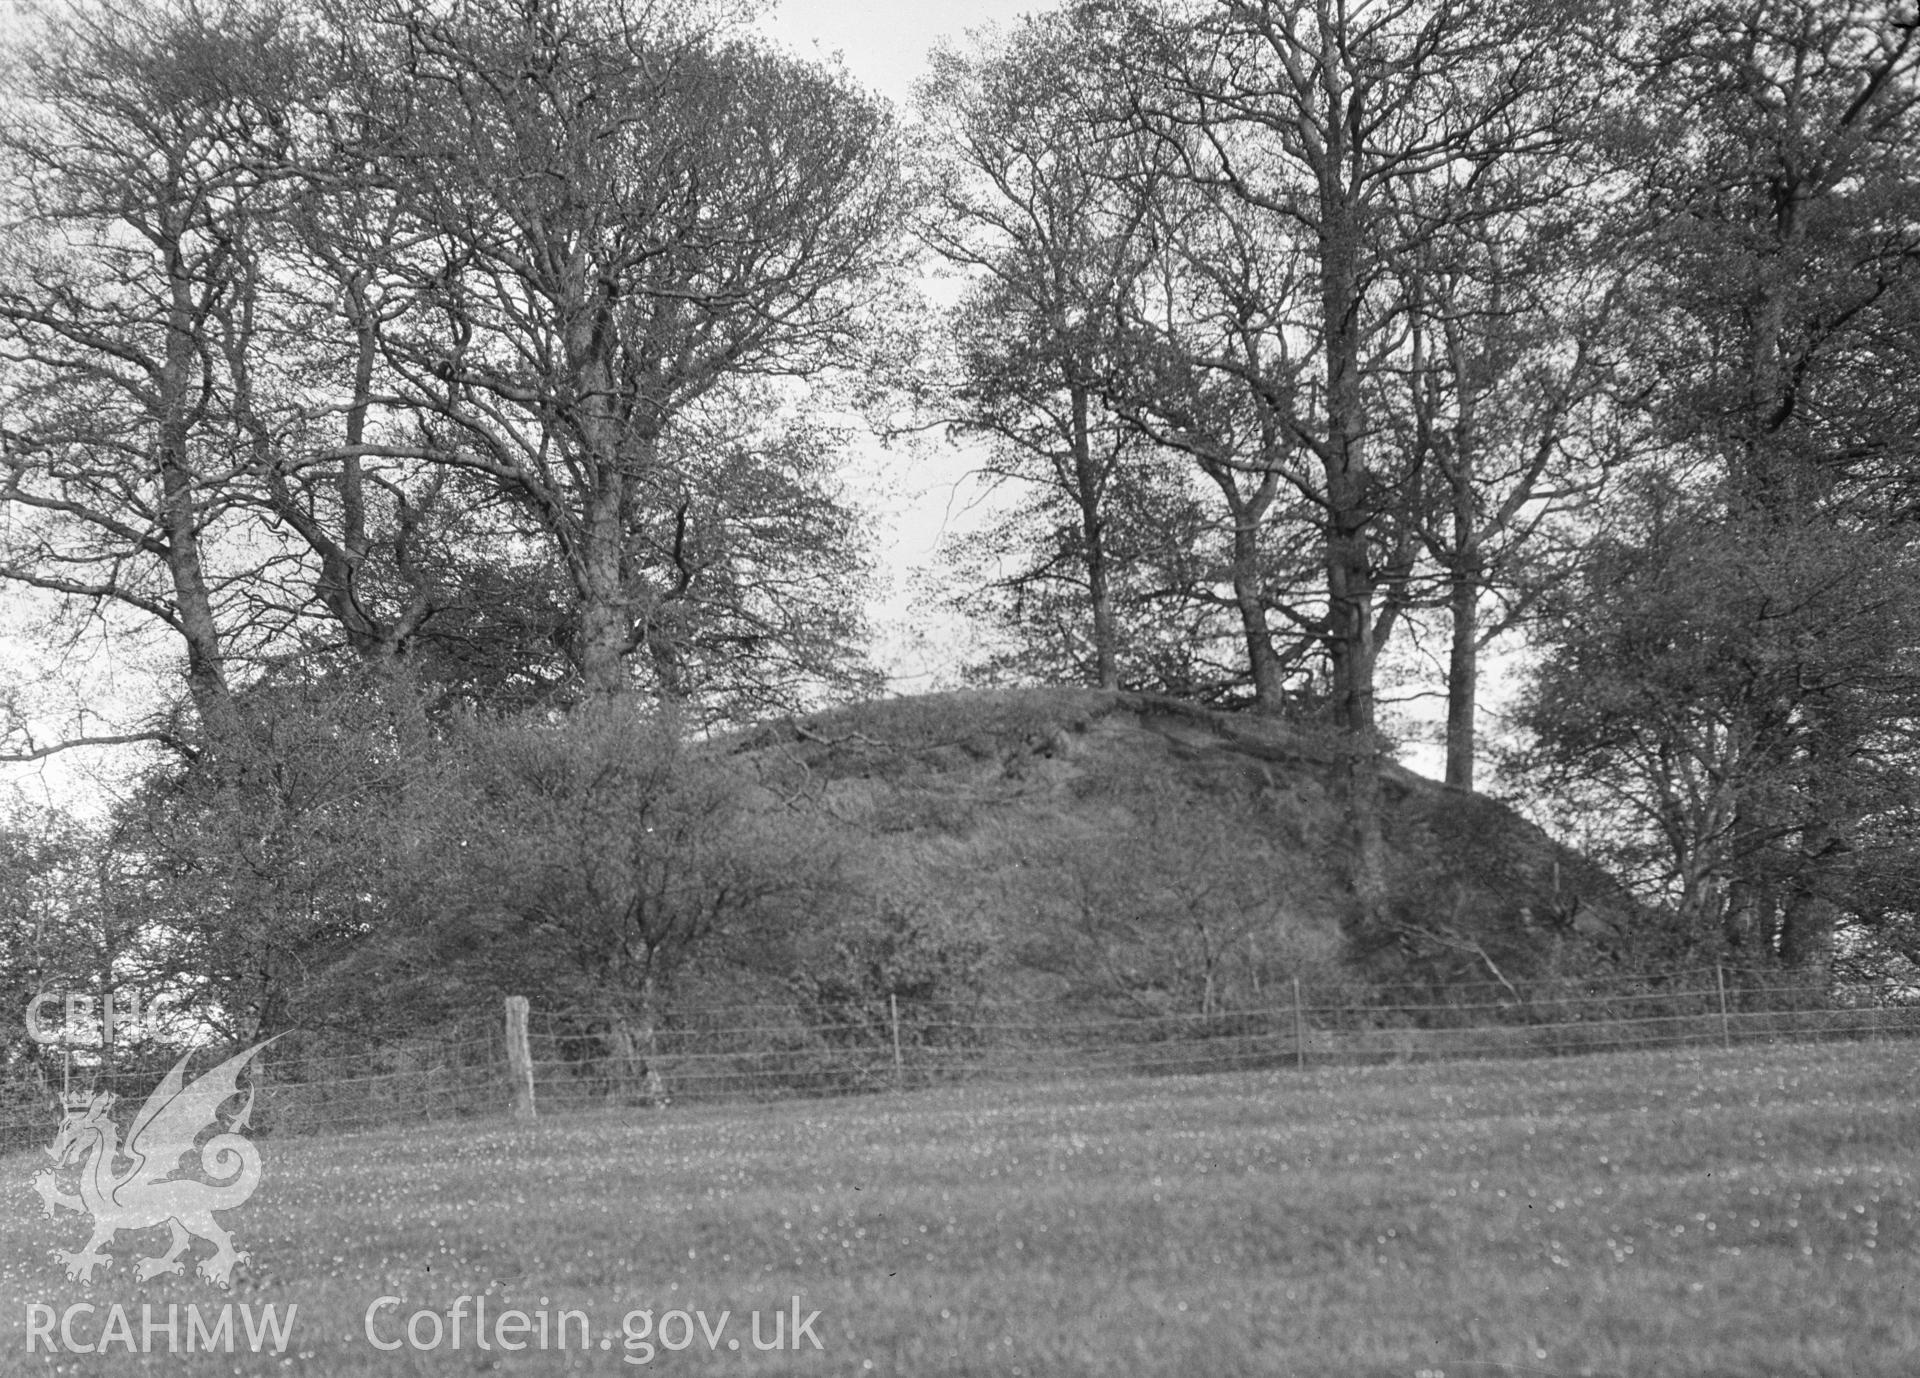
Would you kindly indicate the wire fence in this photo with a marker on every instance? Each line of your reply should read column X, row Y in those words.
column 305, row 1082
column 329, row 1082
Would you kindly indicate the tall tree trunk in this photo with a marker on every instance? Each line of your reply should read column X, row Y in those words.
column 1249, row 597
column 1353, row 691
column 1463, row 672
column 1106, row 660
column 181, row 514
column 342, row 560
column 1807, row 927
column 1349, row 571
column 1250, row 601
column 603, row 629
column 633, row 1035
column 1466, row 574
column 603, row 621
column 1090, row 489
column 1810, row 915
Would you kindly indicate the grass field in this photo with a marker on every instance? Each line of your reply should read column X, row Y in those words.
column 1746, row 1213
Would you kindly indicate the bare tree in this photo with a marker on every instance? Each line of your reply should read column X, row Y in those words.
column 143, row 151
column 625, row 231
column 1761, row 727
column 1518, row 407
column 1048, row 204
column 1327, row 141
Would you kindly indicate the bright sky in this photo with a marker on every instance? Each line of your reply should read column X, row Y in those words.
column 914, row 493
column 885, row 44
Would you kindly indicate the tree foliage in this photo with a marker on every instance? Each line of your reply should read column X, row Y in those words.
column 1737, row 657
column 472, row 337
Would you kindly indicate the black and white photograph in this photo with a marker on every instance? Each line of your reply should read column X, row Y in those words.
column 1002, row 689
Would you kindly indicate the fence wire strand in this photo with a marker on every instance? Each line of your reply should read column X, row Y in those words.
column 328, row 1081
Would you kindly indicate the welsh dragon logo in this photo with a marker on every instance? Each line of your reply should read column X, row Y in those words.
column 147, row 1192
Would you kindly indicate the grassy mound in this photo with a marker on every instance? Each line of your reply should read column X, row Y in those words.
column 1139, row 852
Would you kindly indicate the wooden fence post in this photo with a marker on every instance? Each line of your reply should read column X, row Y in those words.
column 1299, row 1028
column 893, row 1010
column 1726, row 1028
column 519, row 1057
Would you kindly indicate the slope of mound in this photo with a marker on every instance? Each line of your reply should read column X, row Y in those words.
column 1141, row 851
